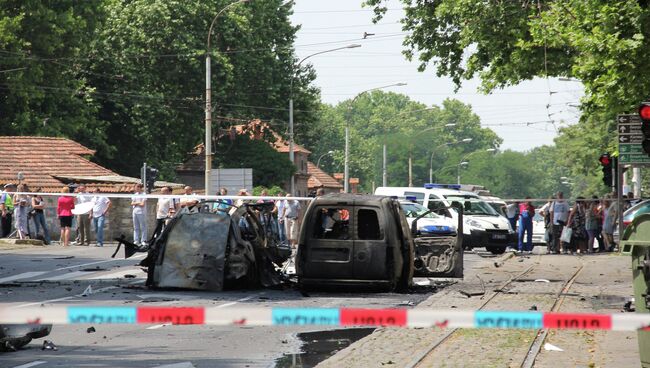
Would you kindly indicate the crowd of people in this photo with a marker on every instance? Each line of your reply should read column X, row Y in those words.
column 587, row 226
column 86, row 213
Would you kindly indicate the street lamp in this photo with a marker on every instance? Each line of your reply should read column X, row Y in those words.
column 464, row 140
column 321, row 156
column 291, row 154
column 468, row 155
column 346, row 170
column 460, row 164
column 208, row 99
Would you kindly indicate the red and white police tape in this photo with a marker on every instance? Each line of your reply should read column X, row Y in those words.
column 75, row 314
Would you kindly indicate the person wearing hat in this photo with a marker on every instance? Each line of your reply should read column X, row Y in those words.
column 7, row 209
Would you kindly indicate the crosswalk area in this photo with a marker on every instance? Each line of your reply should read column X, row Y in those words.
column 80, row 272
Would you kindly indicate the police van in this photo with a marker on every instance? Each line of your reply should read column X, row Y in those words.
column 483, row 226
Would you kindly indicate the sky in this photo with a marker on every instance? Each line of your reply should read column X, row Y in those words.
column 520, row 114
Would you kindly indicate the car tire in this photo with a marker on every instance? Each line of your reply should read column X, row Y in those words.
column 497, row 250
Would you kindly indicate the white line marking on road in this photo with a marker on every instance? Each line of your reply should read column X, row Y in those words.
column 118, row 274
column 239, row 300
column 155, row 327
column 32, row 364
column 177, row 365
column 21, row 276
column 65, row 276
column 75, row 296
column 137, row 256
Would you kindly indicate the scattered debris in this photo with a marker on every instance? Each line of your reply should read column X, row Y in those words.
column 406, row 303
column 49, row 345
column 88, row 291
column 93, row 269
column 68, row 289
column 91, row 329
column 520, row 260
column 263, row 298
column 37, row 260
column 472, row 293
column 388, row 362
column 629, row 306
column 497, row 264
column 66, row 257
column 6, row 285
column 542, row 280
column 129, row 276
column 533, row 308
column 549, row 347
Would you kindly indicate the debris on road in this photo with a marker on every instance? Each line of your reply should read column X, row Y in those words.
column 629, row 305
column 533, row 308
column 88, row 291
column 49, row 345
column 129, row 276
column 472, row 293
column 66, row 257
column 542, row 280
column 91, row 329
column 549, row 347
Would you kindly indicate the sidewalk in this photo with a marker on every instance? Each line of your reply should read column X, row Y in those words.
column 601, row 286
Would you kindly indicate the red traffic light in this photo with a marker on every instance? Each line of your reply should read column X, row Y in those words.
column 605, row 160
column 644, row 111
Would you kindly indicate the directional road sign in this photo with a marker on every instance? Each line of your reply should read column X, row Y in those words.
column 630, row 137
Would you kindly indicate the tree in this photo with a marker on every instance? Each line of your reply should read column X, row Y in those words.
column 40, row 93
column 147, row 64
column 270, row 167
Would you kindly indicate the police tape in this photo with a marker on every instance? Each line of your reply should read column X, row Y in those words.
column 283, row 316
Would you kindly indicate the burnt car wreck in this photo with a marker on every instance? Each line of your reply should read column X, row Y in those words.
column 202, row 249
column 349, row 239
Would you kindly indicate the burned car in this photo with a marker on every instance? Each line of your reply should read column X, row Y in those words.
column 15, row 336
column 366, row 240
column 202, row 249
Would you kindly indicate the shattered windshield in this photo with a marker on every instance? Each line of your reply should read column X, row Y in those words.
column 412, row 209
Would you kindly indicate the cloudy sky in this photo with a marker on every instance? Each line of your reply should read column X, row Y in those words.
column 521, row 115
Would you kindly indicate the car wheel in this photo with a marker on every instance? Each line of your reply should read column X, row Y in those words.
column 497, row 250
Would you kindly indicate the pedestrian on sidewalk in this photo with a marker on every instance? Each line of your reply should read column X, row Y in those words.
column 292, row 220
column 545, row 212
column 101, row 205
column 21, row 208
column 83, row 220
column 164, row 210
column 577, row 221
column 139, row 211
column 279, row 206
column 513, row 212
column 526, row 214
column 7, row 209
column 38, row 205
column 559, row 216
column 592, row 217
column 609, row 224
column 223, row 205
column 64, row 207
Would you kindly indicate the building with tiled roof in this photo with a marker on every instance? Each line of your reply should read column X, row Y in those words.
column 50, row 163
column 320, row 179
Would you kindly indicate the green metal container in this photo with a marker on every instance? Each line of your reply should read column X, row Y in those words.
column 636, row 242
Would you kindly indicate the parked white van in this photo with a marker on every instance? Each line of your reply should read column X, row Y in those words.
column 483, row 226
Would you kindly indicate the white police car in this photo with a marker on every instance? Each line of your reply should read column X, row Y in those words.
column 429, row 224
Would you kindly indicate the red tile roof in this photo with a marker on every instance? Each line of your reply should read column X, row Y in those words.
column 45, row 160
column 318, row 178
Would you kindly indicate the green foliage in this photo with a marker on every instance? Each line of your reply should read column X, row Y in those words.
column 272, row 191
column 270, row 167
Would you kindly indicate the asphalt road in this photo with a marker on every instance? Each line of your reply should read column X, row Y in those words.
column 47, row 275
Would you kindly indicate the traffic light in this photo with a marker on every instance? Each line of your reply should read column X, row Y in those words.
column 644, row 114
column 152, row 175
column 606, row 161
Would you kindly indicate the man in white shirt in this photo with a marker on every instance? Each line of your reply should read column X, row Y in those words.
column 101, row 204
column 291, row 216
column 164, row 210
column 189, row 198
column 559, row 216
column 282, row 232
column 83, row 221
column 139, row 206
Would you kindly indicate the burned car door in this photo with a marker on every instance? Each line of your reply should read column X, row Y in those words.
column 438, row 255
column 331, row 245
column 370, row 246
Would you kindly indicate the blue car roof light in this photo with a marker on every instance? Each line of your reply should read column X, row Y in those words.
column 441, row 186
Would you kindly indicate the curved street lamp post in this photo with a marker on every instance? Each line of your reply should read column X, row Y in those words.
column 465, row 140
column 464, row 162
column 291, row 153
column 208, row 99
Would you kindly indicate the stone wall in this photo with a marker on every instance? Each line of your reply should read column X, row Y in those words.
column 118, row 222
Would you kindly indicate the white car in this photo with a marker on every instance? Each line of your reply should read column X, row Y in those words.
column 482, row 225
column 539, row 231
column 429, row 224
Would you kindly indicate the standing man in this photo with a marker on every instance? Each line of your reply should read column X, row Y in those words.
column 526, row 214
column 189, row 198
column 282, row 230
column 83, row 221
column 292, row 219
column 164, row 210
column 7, row 209
column 513, row 212
column 139, row 206
column 559, row 216
column 101, row 204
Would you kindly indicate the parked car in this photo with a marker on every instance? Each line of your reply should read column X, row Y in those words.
column 482, row 225
column 636, row 210
column 539, row 231
column 430, row 223
column 348, row 239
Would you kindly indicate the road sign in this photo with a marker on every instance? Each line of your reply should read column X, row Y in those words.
column 629, row 118
column 630, row 148
column 623, row 139
column 633, row 158
column 629, row 129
